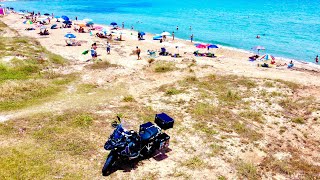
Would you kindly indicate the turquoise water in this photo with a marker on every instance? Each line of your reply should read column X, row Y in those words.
column 288, row 28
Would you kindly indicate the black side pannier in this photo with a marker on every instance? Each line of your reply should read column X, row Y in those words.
column 164, row 121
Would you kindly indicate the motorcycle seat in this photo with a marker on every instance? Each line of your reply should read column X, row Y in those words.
column 148, row 131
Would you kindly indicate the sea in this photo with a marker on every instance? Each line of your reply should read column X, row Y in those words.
column 287, row 28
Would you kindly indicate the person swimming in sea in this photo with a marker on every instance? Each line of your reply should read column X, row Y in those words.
column 258, row 36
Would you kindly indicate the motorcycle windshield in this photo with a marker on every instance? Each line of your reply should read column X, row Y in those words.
column 117, row 134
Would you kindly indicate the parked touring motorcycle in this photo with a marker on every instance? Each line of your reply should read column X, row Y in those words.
column 126, row 145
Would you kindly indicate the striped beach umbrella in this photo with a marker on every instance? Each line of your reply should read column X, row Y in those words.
column 267, row 57
column 28, row 22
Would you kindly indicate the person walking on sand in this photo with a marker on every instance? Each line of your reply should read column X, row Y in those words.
column 108, row 47
column 138, row 51
column 317, row 59
column 191, row 37
column 173, row 36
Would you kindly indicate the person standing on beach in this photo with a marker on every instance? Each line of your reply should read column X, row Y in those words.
column 191, row 37
column 93, row 51
column 122, row 25
column 317, row 59
column 173, row 36
column 76, row 18
column 138, row 51
column 108, row 47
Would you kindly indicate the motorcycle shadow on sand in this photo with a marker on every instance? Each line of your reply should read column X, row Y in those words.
column 128, row 166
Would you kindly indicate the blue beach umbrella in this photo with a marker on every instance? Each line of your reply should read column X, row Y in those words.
column 54, row 26
column 67, row 22
column 212, row 46
column 89, row 23
column 65, row 18
column 46, row 14
column 142, row 33
column 69, row 35
column 113, row 24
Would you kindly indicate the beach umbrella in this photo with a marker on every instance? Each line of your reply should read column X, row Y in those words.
column 46, row 14
column 21, row 13
column 87, row 20
column 201, row 46
column 54, row 26
column 267, row 57
column 89, row 23
column 57, row 17
column 67, row 22
column 142, row 33
column 157, row 37
column 21, row 10
column 69, row 35
column 82, row 25
column 65, row 18
column 165, row 34
column 11, row 8
column 113, row 24
column 212, row 46
column 43, row 27
column 105, row 30
column 258, row 48
column 98, row 27
column 28, row 22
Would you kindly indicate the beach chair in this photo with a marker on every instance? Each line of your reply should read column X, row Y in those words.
column 152, row 54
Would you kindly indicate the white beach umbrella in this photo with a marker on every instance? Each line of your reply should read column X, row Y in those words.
column 165, row 34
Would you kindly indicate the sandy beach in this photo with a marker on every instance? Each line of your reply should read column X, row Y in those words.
column 229, row 61
column 233, row 119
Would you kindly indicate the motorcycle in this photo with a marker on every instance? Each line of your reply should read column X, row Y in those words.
column 127, row 145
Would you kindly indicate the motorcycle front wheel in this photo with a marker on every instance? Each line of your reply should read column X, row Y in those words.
column 107, row 167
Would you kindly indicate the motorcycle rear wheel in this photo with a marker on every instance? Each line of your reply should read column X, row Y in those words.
column 107, row 167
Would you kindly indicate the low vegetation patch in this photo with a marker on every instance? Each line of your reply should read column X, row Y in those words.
column 162, row 67
column 194, row 163
column 128, row 99
column 247, row 170
column 173, row 91
column 101, row 65
column 252, row 115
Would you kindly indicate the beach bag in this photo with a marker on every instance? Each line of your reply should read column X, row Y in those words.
column 85, row 52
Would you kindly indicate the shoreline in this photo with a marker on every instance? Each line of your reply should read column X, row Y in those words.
column 229, row 60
